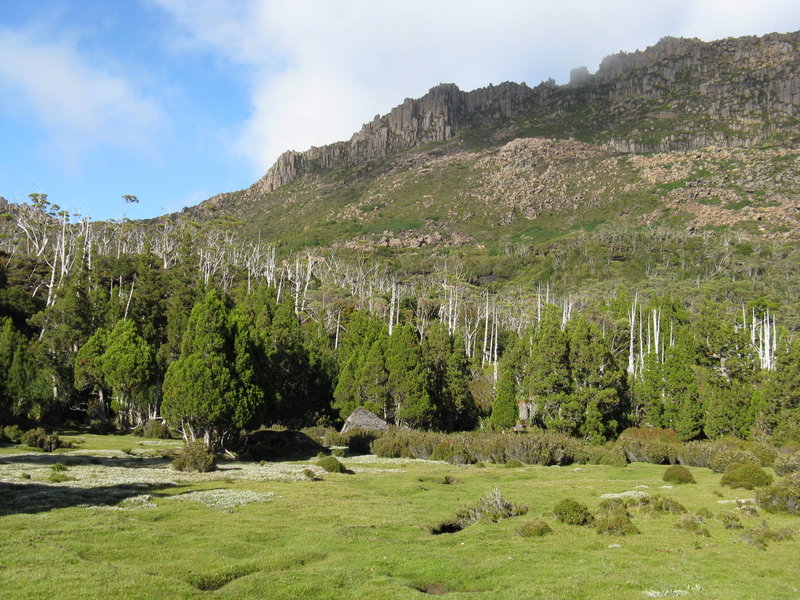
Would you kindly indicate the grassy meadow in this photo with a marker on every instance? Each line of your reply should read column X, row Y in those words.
column 122, row 524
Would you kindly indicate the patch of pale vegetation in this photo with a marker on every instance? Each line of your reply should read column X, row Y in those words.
column 224, row 500
column 628, row 494
column 672, row 593
column 114, row 468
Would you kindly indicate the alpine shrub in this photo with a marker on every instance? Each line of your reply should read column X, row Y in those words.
column 746, row 476
column 156, row 429
column 514, row 464
column 571, row 512
column 678, row 474
column 651, row 445
column 692, row 524
column 787, row 462
column 534, row 529
column 730, row 520
column 490, row 508
column 783, row 496
column 39, row 438
column 196, row 456
column 331, row 464
column 725, row 457
column 13, row 433
column 763, row 535
column 616, row 523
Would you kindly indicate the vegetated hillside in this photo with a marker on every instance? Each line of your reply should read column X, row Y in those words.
column 698, row 137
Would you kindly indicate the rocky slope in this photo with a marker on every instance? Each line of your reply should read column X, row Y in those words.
column 703, row 136
column 732, row 92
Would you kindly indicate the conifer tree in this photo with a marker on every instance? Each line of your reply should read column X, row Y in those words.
column 407, row 379
column 128, row 368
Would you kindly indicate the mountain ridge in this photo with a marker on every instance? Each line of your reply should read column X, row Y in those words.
column 446, row 110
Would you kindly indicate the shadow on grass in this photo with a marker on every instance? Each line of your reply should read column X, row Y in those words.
column 72, row 459
column 18, row 498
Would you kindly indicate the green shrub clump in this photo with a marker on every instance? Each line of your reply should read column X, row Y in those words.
column 331, row 464
column 678, row 474
column 39, row 438
column 726, row 456
column 572, row 512
column 196, row 456
column 490, row 508
column 730, row 520
column 514, row 464
column 156, row 429
column 13, row 433
column 616, row 523
column 651, row 445
column 746, row 476
column 536, row 528
column 693, row 524
column 783, row 496
column 787, row 463
column 760, row 536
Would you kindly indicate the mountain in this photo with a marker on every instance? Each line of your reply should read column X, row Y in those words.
column 650, row 169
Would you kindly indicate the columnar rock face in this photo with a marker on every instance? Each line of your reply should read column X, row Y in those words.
column 732, row 92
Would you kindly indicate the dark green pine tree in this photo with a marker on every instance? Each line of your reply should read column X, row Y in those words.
column 362, row 331
column 128, row 368
column 407, row 379
column 448, row 379
column 682, row 410
column 89, row 374
column 207, row 391
column 547, row 380
column 372, row 381
column 598, row 381
column 510, row 375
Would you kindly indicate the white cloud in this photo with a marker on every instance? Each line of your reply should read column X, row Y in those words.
column 80, row 107
column 320, row 69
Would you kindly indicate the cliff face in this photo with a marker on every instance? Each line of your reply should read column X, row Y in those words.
column 679, row 94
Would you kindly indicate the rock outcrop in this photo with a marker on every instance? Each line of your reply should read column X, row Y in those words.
column 691, row 94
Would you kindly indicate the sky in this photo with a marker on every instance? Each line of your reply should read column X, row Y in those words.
column 174, row 101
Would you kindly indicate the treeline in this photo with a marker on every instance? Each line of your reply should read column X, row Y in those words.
column 216, row 338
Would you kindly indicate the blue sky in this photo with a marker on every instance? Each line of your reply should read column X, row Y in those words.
column 176, row 100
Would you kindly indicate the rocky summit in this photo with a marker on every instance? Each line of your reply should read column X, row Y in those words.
column 700, row 135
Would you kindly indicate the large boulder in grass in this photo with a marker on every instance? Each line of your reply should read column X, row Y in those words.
column 361, row 418
column 267, row 444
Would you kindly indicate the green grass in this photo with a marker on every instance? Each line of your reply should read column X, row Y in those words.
column 367, row 536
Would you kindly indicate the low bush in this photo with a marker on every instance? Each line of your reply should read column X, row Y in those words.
column 746, row 476
column 572, row 512
column 693, row 524
column 616, row 523
column 513, row 464
column 331, row 465
column 782, row 496
column 58, row 467
column 651, row 445
column 730, row 520
column 99, row 427
column 156, row 429
column 39, row 438
column 762, row 535
column 609, row 454
column 678, row 474
column 696, row 454
column 338, row 452
column 13, row 433
column 57, row 477
column 534, row 529
column 614, row 505
column 196, row 456
column 656, row 505
column 726, row 456
column 359, row 441
column 787, row 462
column 490, row 508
